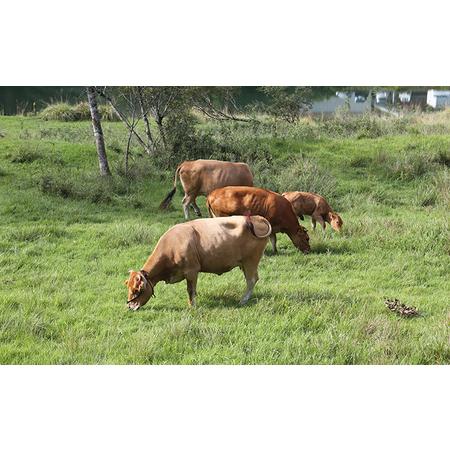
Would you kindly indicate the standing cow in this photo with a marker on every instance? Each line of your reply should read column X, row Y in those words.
column 202, row 245
column 274, row 207
column 202, row 176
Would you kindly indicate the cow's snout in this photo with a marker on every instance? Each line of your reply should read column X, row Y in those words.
column 134, row 306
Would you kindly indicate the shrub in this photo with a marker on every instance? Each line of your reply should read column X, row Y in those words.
column 90, row 187
column 140, row 167
column 81, row 111
column 25, row 154
column 107, row 113
column 408, row 166
column 304, row 174
column 70, row 113
column 59, row 111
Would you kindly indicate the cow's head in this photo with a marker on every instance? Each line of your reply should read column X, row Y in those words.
column 335, row 221
column 301, row 240
column 140, row 289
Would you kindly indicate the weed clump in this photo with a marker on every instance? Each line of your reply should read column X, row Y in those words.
column 80, row 186
column 25, row 154
column 304, row 174
column 71, row 113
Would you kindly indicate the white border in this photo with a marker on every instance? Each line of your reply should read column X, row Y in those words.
column 339, row 407
column 232, row 43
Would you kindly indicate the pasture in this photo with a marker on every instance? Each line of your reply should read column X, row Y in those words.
column 68, row 239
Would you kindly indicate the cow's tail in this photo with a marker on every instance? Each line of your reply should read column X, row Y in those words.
column 251, row 227
column 210, row 211
column 168, row 198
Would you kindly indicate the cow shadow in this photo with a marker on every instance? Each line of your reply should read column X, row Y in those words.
column 227, row 301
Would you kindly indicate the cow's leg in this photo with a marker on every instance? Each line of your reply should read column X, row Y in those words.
column 322, row 222
column 273, row 241
column 187, row 199
column 196, row 208
column 313, row 221
column 192, row 288
column 319, row 218
column 251, row 276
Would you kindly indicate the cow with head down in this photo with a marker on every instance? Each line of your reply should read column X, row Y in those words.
column 202, row 176
column 274, row 207
column 203, row 245
column 314, row 205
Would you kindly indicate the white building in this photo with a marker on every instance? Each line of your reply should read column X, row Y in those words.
column 438, row 99
column 381, row 97
column 405, row 97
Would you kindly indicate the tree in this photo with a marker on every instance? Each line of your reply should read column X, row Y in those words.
column 216, row 102
column 287, row 103
column 156, row 102
column 98, row 132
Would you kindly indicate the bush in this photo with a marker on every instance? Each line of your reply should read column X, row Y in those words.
column 59, row 111
column 140, row 167
column 407, row 166
column 81, row 111
column 71, row 113
column 89, row 187
column 25, row 154
column 304, row 174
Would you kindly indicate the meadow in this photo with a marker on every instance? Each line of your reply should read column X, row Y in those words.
column 68, row 239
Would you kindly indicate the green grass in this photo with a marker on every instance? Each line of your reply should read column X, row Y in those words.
column 65, row 254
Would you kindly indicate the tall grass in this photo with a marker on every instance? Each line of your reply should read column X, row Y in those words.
column 71, row 113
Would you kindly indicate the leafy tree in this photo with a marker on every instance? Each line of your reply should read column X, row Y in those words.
column 287, row 103
column 216, row 102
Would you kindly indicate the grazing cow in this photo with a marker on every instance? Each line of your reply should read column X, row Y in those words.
column 250, row 200
column 202, row 245
column 314, row 205
column 202, row 176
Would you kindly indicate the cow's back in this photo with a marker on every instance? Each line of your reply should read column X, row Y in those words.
column 203, row 176
column 242, row 200
column 222, row 243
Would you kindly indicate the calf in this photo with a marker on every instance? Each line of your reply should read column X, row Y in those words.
column 202, row 245
column 250, row 200
column 314, row 205
column 202, row 176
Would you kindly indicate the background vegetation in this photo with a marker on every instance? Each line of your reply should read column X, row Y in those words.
column 68, row 238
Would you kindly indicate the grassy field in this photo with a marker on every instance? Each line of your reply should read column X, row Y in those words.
column 67, row 241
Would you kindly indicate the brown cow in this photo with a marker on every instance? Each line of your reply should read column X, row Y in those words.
column 274, row 207
column 202, row 176
column 202, row 245
column 314, row 205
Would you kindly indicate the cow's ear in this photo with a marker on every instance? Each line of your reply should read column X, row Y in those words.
column 125, row 282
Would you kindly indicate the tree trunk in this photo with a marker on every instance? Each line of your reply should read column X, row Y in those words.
column 372, row 100
column 98, row 132
column 151, row 144
column 159, row 123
